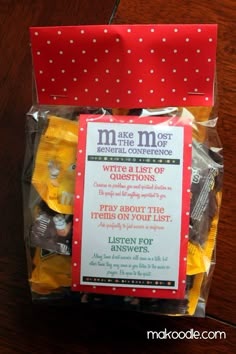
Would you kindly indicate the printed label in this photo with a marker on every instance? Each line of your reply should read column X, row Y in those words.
column 132, row 206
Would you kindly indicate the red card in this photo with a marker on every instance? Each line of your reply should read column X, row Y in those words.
column 132, row 202
column 125, row 66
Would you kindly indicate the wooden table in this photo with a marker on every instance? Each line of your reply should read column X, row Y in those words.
column 26, row 328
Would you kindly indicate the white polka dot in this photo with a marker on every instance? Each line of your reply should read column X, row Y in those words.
column 176, row 30
column 75, row 79
column 129, row 71
column 175, row 51
column 111, row 120
column 97, row 99
column 106, row 51
column 209, row 60
column 94, row 40
column 50, row 61
column 174, row 70
column 152, row 30
column 173, row 90
column 83, row 51
column 77, row 219
column 207, row 79
column 189, row 145
column 140, row 60
column 163, row 79
column 210, row 39
column 118, row 80
column 129, row 51
column 163, row 39
column 162, row 99
column 117, row 100
column 185, row 79
column 129, row 92
column 150, row 121
column 52, row 79
column 63, row 71
column 134, row 290
column 151, row 91
column 206, row 98
column 43, row 90
column 140, row 39
column 198, row 51
column 96, row 79
column 107, row 71
column 185, row 259
column 163, row 60
column 41, row 71
column 199, row 30
column 36, row 33
column 131, row 121
column 61, row 52
column 95, row 60
column 117, row 39
column 38, row 53
column 154, row 291
column 173, row 292
column 151, row 71
column 107, row 91
column 85, row 70
column 186, row 60
column 183, row 281
column 82, row 31
column 105, row 30
column 86, row 90
column 73, row 60
column 76, row 98
column 59, row 32
column 71, row 41
column 113, row 289
column 140, row 80
column 76, row 242
column 74, row 285
column 48, row 42
column 117, row 60
column 65, row 89
column 187, row 39
column 195, row 90
column 140, row 100
column 197, row 71
column 128, row 30
column 75, row 264
column 189, row 167
column 184, row 98
column 187, row 213
column 188, row 190
column 152, row 51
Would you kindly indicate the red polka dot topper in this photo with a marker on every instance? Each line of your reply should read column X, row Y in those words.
column 125, row 66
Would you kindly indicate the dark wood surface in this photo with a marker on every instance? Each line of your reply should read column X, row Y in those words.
column 26, row 328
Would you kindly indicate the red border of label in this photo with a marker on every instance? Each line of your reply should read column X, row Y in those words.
column 78, row 207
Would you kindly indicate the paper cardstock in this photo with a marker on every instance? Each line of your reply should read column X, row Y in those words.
column 132, row 200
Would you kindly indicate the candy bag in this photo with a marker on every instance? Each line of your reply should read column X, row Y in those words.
column 123, row 167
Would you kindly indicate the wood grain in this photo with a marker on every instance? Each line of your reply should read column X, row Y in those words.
column 26, row 328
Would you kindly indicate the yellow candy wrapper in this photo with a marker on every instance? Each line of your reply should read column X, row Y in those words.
column 54, row 173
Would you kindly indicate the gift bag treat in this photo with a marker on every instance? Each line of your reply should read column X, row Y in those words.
column 123, row 167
